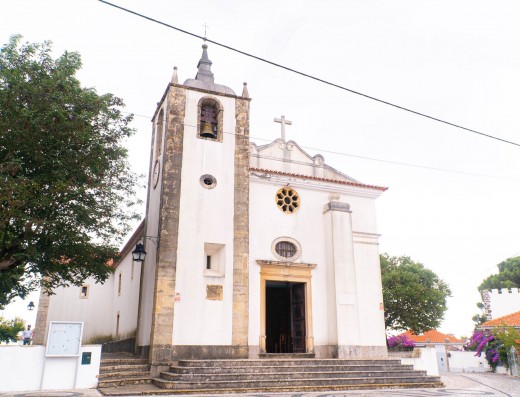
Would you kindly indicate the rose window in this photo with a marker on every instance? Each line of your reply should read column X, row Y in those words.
column 288, row 200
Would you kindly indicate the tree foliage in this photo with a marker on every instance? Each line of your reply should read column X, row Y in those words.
column 414, row 296
column 65, row 180
column 508, row 276
column 9, row 329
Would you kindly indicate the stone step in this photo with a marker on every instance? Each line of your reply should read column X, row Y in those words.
column 281, row 356
column 122, row 361
column 328, row 383
column 124, row 381
column 151, row 389
column 283, row 362
column 123, row 375
column 286, row 376
column 121, row 368
column 288, row 368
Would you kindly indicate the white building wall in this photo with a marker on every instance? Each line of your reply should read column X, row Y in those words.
column 95, row 311
column 126, row 298
column 503, row 302
column 310, row 227
column 370, row 295
column 206, row 216
column 266, row 224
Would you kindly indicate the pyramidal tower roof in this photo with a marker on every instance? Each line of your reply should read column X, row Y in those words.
column 205, row 79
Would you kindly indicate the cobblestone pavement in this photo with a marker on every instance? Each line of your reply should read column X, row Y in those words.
column 456, row 385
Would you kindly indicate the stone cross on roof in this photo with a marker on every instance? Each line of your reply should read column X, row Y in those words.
column 283, row 122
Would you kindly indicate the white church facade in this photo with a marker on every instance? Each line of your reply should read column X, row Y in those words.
column 250, row 250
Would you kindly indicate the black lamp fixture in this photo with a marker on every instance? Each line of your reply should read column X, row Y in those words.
column 139, row 253
column 30, row 306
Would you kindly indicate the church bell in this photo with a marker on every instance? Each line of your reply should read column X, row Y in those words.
column 207, row 131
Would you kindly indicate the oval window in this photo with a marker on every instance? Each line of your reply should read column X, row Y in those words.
column 286, row 249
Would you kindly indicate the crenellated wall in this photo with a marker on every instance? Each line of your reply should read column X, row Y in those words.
column 501, row 302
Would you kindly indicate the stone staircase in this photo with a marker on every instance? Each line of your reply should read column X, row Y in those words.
column 120, row 369
column 281, row 375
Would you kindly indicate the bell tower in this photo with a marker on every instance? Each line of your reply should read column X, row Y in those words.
column 194, row 287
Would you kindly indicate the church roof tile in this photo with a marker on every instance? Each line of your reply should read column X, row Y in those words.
column 315, row 178
column 432, row 336
column 511, row 320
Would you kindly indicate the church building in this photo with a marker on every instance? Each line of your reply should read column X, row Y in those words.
column 250, row 250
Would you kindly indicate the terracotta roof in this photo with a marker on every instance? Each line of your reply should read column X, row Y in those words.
column 512, row 320
column 315, row 178
column 432, row 336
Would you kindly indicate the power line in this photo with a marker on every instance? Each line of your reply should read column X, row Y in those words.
column 312, row 77
column 321, row 150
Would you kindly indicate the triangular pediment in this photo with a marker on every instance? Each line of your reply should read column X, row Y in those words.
column 290, row 158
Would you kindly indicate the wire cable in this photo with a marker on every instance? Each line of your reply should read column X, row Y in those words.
column 335, row 152
column 312, row 77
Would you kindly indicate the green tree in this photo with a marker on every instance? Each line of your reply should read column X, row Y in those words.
column 414, row 296
column 508, row 276
column 508, row 337
column 65, row 181
column 9, row 329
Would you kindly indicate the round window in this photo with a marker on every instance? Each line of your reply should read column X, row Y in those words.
column 208, row 181
column 287, row 200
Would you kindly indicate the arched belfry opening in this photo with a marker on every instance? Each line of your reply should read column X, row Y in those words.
column 210, row 119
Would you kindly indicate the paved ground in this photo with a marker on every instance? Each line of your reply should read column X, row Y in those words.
column 457, row 385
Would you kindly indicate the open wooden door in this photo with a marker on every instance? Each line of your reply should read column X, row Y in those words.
column 298, row 317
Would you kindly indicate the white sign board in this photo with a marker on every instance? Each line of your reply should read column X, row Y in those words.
column 64, row 339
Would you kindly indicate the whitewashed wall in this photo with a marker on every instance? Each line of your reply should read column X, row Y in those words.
column 308, row 226
column 504, row 301
column 467, row 362
column 427, row 361
column 205, row 216
column 25, row 368
column 95, row 311
column 126, row 299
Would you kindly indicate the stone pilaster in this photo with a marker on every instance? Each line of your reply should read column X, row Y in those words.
column 40, row 328
column 241, row 229
column 344, row 270
column 164, row 292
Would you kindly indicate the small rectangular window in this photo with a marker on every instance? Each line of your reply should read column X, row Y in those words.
column 83, row 292
column 119, row 285
column 215, row 260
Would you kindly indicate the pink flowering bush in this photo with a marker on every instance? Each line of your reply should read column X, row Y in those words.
column 400, row 342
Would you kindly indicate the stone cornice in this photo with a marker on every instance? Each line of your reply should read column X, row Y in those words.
column 263, row 262
column 309, row 183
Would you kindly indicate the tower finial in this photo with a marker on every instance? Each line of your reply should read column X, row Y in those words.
column 175, row 78
column 204, row 66
column 245, row 92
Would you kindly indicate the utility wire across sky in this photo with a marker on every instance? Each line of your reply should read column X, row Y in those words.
column 335, row 152
column 312, row 77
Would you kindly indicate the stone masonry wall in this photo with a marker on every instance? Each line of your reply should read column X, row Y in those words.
column 241, row 230
column 162, row 322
